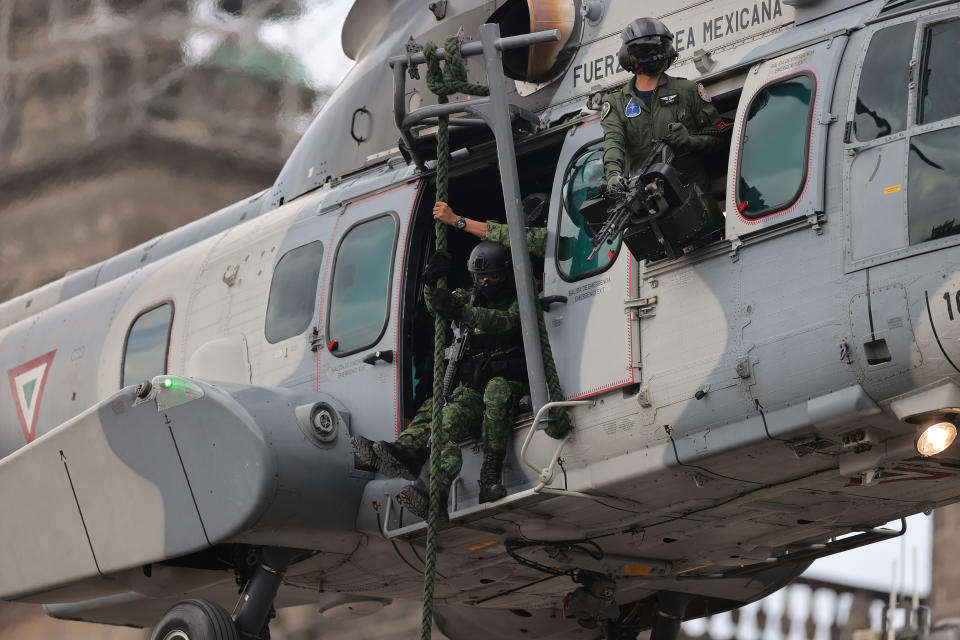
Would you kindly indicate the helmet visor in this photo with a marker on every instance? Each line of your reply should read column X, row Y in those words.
column 645, row 51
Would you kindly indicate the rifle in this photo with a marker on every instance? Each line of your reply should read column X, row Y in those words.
column 644, row 198
column 457, row 351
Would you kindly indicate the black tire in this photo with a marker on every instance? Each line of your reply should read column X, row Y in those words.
column 195, row 620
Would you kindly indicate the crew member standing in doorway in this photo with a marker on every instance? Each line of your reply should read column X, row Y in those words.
column 656, row 106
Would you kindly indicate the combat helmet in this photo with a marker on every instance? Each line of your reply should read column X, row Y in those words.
column 647, row 46
column 488, row 265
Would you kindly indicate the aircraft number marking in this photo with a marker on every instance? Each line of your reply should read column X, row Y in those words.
column 946, row 297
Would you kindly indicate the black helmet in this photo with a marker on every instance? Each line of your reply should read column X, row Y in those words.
column 647, row 47
column 488, row 264
column 535, row 207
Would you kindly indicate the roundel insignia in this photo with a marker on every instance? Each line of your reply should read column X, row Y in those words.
column 605, row 111
column 703, row 93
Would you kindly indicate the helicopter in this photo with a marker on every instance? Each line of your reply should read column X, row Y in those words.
column 175, row 434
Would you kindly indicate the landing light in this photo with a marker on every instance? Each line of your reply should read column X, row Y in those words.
column 936, row 438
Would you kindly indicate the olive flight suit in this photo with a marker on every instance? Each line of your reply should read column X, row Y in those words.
column 630, row 128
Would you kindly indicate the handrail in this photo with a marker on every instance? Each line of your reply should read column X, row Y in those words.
column 546, row 474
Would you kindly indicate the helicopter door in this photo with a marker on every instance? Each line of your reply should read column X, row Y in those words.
column 592, row 338
column 357, row 336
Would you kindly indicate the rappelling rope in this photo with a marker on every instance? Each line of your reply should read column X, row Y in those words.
column 444, row 81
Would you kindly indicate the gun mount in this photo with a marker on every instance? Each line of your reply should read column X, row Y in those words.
column 662, row 214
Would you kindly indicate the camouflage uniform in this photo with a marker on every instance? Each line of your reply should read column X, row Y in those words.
column 459, row 417
column 630, row 128
column 470, row 412
column 536, row 237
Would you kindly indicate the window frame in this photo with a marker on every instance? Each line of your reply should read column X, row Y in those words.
column 921, row 51
column 802, row 187
column 323, row 255
column 333, row 276
column 926, row 18
column 140, row 314
column 560, row 214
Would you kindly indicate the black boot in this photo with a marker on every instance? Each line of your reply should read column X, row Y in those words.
column 417, row 502
column 491, row 486
column 363, row 450
column 403, row 458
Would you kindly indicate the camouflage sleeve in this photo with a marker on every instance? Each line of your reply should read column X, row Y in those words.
column 706, row 118
column 536, row 237
column 614, row 138
column 493, row 321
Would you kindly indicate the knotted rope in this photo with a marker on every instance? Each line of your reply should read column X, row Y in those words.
column 444, row 81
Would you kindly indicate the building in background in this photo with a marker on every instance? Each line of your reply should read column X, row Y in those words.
column 121, row 119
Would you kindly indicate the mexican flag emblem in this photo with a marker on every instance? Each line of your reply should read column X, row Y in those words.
column 26, row 384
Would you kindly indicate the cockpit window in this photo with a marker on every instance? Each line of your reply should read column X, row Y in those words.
column 583, row 180
column 774, row 147
column 145, row 352
column 939, row 95
column 934, row 170
column 360, row 296
column 881, row 107
column 293, row 292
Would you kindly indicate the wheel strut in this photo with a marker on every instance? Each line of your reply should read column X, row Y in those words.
column 670, row 609
column 253, row 610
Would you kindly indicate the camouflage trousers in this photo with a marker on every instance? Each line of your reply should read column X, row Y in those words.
column 470, row 414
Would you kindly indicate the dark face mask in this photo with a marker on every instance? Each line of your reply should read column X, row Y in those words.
column 490, row 284
column 648, row 59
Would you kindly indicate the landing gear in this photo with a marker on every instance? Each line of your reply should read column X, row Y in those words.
column 670, row 609
column 256, row 604
column 196, row 620
column 667, row 617
column 204, row 620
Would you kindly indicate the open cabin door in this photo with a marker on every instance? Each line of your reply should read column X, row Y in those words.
column 592, row 337
column 357, row 336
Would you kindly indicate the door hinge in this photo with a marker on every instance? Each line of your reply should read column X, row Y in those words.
column 641, row 307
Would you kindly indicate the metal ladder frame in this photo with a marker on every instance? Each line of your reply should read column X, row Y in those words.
column 495, row 112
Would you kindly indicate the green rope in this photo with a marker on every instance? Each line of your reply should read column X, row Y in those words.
column 450, row 79
column 444, row 81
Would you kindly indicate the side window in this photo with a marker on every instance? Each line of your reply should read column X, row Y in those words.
column 293, row 292
column 583, row 180
column 773, row 156
column 360, row 295
column 934, row 172
column 939, row 95
column 881, row 107
column 145, row 352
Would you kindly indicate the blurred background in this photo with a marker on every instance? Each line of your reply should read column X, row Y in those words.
column 122, row 119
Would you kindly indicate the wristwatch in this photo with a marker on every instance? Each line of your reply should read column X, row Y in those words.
column 461, row 223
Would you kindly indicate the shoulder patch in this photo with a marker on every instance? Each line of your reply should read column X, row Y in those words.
column 605, row 111
column 703, row 93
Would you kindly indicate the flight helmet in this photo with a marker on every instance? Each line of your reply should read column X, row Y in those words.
column 647, row 47
column 488, row 266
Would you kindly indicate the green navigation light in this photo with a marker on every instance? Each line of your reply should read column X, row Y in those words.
column 167, row 383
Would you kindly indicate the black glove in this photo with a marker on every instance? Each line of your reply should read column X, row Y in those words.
column 446, row 305
column 677, row 136
column 438, row 266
